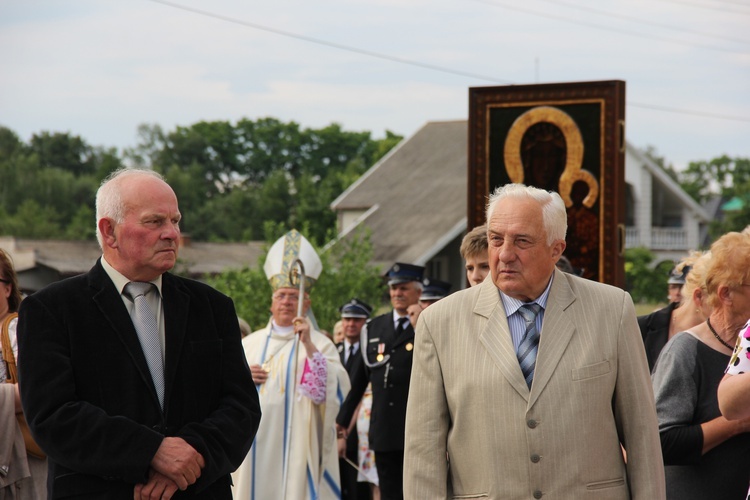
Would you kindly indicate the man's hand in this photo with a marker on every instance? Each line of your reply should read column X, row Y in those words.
column 302, row 328
column 259, row 374
column 178, row 461
column 158, row 487
column 341, row 432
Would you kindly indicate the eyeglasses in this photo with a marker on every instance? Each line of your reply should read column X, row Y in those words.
column 294, row 297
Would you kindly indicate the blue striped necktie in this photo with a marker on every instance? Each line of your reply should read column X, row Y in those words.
column 530, row 342
column 144, row 321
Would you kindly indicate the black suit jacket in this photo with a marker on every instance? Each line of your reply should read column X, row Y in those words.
column 89, row 399
column 390, row 384
column 655, row 332
column 356, row 368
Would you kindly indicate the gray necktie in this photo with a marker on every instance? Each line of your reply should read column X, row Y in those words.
column 144, row 321
column 530, row 342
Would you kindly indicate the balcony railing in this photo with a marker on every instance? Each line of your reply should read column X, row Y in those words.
column 662, row 238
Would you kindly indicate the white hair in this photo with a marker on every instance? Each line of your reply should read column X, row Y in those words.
column 554, row 215
column 109, row 202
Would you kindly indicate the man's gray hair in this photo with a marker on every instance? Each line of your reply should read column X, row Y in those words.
column 554, row 215
column 109, row 200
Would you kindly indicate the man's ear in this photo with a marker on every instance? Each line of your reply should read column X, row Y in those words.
column 558, row 247
column 107, row 230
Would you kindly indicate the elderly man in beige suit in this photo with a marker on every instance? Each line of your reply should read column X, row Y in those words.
column 533, row 384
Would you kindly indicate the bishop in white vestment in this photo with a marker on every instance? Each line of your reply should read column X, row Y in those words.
column 301, row 384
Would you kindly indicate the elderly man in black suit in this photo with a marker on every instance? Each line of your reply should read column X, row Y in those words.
column 133, row 380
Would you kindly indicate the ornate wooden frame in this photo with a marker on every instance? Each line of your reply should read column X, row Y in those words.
column 587, row 122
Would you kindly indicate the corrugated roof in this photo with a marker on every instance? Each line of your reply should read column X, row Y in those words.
column 75, row 257
column 420, row 189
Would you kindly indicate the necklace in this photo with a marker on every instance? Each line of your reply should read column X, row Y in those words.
column 708, row 322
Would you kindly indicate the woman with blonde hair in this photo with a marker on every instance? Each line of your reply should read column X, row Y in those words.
column 706, row 455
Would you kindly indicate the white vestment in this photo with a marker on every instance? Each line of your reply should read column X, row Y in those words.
column 294, row 432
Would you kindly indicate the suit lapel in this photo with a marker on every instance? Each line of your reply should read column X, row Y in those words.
column 557, row 330
column 176, row 305
column 496, row 339
column 110, row 304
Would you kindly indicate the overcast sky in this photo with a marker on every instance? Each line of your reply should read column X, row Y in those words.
column 100, row 68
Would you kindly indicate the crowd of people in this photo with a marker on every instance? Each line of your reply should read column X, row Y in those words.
column 532, row 382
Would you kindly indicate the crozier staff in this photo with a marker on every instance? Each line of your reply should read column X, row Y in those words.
column 300, row 381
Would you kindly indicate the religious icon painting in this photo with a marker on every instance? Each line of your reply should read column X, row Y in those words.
column 564, row 137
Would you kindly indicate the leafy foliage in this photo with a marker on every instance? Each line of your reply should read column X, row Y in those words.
column 258, row 171
column 48, row 186
column 725, row 177
column 645, row 284
column 231, row 179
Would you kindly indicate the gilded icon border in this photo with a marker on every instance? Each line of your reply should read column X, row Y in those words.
column 526, row 105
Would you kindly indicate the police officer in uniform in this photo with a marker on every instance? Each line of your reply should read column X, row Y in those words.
column 432, row 291
column 353, row 315
column 387, row 344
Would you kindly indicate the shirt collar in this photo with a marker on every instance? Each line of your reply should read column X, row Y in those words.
column 512, row 305
column 396, row 317
column 120, row 281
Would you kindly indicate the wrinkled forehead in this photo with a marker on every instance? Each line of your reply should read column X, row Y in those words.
column 515, row 217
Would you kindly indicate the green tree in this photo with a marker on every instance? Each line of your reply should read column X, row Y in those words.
column 719, row 176
column 47, row 187
column 63, row 151
column 231, row 179
column 9, row 143
column 725, row 177
column 82, row 225
column 32, row 220
column 645, row 282
column 285, row 173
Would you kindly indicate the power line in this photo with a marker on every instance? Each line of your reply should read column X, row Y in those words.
column 419, row 64
column 495, row 3
column 334, row 45
column 712, row 6
column 644, row 21
column 688, row 112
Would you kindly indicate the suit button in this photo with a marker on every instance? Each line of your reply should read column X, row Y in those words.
column 531, row 423
column 537, row 494
column 535, row 458
column 390, row 404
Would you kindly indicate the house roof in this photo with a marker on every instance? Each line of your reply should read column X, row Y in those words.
column 75, row 257
column 415, row 196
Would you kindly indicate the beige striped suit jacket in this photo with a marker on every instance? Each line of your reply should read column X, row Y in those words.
column 561, row 440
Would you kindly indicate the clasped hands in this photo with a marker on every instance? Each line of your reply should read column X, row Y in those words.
column 176, row 465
